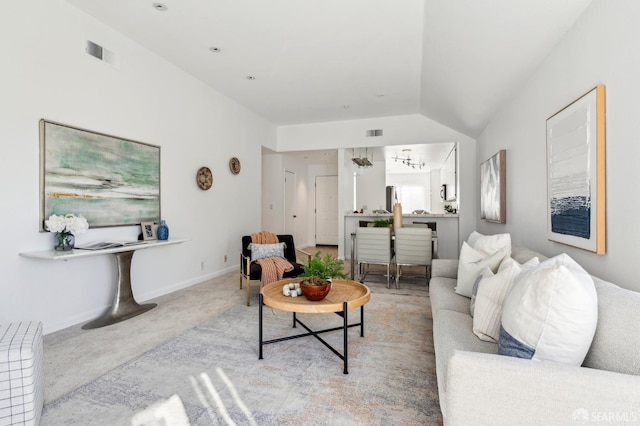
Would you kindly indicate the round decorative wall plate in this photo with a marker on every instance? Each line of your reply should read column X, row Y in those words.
column 234, row 165
column 204, row 178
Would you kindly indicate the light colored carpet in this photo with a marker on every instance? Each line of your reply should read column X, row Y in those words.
column 391, row 376
column 74, row 357
column 105, row 376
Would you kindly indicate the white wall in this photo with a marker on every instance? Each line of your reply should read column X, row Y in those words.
column 601, row 48
column 46, row 74
column 272, row 192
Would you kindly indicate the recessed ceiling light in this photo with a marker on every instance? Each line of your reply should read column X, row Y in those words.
column 159, row 6
column 251, row 77
column 215, row 49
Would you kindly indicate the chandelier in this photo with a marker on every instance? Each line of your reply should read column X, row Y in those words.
column 362, row 161
column 407, row 161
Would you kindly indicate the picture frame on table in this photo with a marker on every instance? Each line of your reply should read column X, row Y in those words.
column 149, row 232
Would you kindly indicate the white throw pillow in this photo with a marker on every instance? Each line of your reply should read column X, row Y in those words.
column 472, row 262
column 486, row 272
column 491, row 294
column 473, row 238
column 259, row 251
column 489, row 244
column 550, row 313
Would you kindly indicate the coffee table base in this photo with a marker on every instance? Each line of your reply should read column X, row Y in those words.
column 345, row 326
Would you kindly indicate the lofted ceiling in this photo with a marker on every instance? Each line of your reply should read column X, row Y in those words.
column 305, row 61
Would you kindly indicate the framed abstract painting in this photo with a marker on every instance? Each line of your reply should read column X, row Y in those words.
column 109, row 180
column 576, row 173
column 493, row 188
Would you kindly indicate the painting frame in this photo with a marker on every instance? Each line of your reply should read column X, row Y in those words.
column 110, row 180
column 493, row 188
column 576, row 173
column 149, row 231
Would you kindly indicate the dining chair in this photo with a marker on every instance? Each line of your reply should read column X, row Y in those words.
column 373, row 248
column 413, row 247
column 434, row 235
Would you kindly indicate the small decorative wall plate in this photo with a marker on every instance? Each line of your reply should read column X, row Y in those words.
column 234, row 165
column 204, row 178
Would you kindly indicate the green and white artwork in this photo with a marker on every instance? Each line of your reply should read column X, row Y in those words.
column 109, row 180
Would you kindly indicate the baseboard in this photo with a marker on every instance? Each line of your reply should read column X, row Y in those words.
column 150, row 295
column 143, row 297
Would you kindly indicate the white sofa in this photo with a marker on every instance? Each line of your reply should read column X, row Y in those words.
column 479, row 387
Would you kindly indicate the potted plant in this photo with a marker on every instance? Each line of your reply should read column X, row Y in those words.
column 317, row 275
column 383, row 223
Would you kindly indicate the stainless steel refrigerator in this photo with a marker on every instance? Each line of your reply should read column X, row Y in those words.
column 391, row 198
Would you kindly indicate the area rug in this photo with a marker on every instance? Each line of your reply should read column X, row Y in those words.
column 214, row 369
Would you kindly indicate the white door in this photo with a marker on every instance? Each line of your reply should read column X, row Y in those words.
column 290, row 203
column 327, row 210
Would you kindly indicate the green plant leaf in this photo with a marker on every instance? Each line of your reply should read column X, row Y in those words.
column 324, row 267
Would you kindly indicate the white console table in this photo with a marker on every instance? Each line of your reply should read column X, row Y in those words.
column 124, row 305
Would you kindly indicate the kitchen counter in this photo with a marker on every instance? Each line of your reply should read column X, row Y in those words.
column 446, row 223
column 404, row 215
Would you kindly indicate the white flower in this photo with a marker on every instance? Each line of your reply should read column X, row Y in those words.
column 70, row 223
column 55, row 223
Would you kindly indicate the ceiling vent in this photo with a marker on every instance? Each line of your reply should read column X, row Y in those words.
column 373, row 133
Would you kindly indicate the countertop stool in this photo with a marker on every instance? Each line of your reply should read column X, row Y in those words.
column 21, row 373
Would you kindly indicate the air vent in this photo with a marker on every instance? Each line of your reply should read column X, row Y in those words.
column 94, row 50
column 373, row 133
column 102, row 54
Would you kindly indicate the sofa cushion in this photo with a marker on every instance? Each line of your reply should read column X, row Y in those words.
column 452, row 331
column 491, row 294
column 550, row 313
column 616, row 344
column 443, row 297
column 472, row 262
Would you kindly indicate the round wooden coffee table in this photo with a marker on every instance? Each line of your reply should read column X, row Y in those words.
column 344, row 295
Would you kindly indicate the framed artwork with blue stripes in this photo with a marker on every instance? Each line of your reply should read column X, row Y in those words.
column 576, row 173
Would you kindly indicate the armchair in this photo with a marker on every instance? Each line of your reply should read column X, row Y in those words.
column 252, row 271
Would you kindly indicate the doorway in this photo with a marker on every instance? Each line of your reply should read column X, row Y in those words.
column 326, row 210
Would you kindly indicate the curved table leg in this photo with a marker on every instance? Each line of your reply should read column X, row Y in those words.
column 124, row 306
